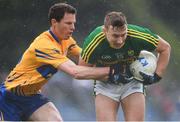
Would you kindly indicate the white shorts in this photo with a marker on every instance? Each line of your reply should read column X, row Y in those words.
column 118, row 92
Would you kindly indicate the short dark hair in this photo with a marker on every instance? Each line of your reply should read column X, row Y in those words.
column 58, row 10
column 116, row 19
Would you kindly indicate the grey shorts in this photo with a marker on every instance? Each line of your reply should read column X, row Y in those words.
column 118, row 92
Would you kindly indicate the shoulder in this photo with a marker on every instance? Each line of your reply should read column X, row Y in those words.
column 137, row 27
column 71, row 40
column 43, row 40
column 140, row 31
column 142, row 37
column 95, row 36
column 96, row 32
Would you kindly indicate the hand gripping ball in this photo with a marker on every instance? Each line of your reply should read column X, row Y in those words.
column 145, row 63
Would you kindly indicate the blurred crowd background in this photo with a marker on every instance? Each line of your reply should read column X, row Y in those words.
column 22, row 20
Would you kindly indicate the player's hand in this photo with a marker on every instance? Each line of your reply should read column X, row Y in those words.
column 116, row 76
column 150, row 79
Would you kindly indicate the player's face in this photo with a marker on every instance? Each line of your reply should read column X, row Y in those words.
column 65, row 27
column 116, row 36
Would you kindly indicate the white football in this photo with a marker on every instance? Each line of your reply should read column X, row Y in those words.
column 145, row 63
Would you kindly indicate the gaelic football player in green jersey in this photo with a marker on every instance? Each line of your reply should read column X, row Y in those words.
column 118, row 44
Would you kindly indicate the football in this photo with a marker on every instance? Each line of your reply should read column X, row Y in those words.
column 145, row 63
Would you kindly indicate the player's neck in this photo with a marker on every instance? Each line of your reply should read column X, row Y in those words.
column 55, row 34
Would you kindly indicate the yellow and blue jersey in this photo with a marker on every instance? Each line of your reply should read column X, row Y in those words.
column 39, row 63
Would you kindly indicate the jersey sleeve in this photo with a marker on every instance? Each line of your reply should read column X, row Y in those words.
column 146, row 38
column 46, row 52
column 90, row 45
column 151, row 40
column 73, row 48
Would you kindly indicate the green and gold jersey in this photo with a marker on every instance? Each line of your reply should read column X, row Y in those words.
column 96, row 49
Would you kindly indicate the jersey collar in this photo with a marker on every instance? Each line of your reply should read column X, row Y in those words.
column 54, row 36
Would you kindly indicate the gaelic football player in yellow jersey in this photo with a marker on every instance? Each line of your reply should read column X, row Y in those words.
column 118, row 43
column 20, row 98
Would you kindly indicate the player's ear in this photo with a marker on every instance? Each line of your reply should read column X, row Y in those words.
column 53, row 22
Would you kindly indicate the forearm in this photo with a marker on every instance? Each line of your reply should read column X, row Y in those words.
column 84, row 72
column 162, row 63
column 83, row 63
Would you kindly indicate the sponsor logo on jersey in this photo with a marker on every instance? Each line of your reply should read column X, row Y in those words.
column 106, row 57
column 119, row 55
column 130, row 52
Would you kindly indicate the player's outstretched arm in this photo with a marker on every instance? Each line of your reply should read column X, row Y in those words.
column 115, row 75
column 84, row 72
column 83, row 63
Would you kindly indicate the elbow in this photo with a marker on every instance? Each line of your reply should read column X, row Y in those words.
column 168, row 50
column 169, row 47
